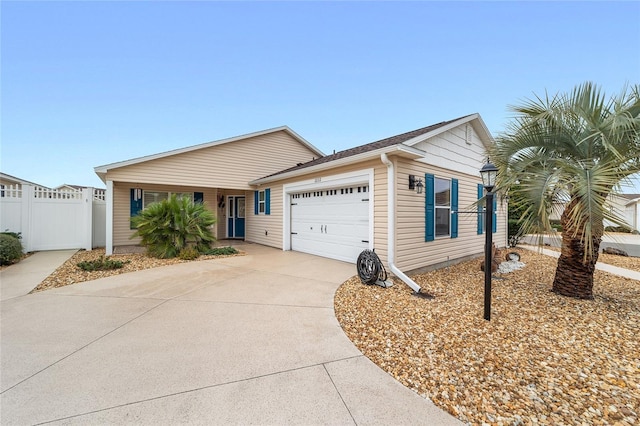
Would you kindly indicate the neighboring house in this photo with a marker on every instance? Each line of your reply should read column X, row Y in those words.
column 632, row 210
column 6, row 180
column 66, row 186
column 275, row 188
column 619, row 204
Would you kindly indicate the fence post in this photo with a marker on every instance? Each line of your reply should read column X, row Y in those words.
column 25, row 220
column 87, row 196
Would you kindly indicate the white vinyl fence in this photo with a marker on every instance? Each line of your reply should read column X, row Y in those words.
column 54, row 219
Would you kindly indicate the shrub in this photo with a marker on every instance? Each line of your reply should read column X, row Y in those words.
column 555, row 224
column 101, row 264
column 188, row 253
column 172, row 225
column 221, row 251
column 17, row 235
column 618, row 229
column 515, row 233
column 10, row 249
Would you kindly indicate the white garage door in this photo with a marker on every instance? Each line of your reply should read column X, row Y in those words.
column 331, row 222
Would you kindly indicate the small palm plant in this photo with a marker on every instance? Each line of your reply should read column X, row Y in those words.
column 174, row 225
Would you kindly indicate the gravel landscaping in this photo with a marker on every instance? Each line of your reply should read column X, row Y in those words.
column 70, row 273
column 542, row 359
column 626, row 262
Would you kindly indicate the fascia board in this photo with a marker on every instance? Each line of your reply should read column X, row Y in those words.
column 400, row 149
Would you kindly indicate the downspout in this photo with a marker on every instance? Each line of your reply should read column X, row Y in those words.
column 391, row 225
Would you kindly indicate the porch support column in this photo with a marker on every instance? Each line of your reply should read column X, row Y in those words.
column 108, row 196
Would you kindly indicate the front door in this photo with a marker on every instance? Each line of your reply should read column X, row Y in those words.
column 235, row 216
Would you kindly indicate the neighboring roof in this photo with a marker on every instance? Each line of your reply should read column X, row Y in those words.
column 633, row 198
column 102, row 170
column 403, row 142
column 66, row 185
column 630, row 196
column 5, row 176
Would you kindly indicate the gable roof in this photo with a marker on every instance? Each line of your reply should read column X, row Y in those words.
column 631, row 198
column 16, row 180
column 102, row 170
column 403, row 142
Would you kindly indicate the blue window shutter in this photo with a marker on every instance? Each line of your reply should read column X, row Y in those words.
column 198, row 197
column 255, row 202
column 429, row 209
column 135, row 205
column 454, row 208
column 480, row 210
column 495, row 213
column 267, row 201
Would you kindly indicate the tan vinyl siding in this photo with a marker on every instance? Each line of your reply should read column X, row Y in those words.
column 122, row 207
column 412, row 252
column 380, row 207
column 229, row 165
column 265, row 228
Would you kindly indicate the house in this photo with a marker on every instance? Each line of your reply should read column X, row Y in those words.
column 8, row 180
column 11, row 184
column 632, row 211
column 624, row 206
column 275, row 188
column 68, row 187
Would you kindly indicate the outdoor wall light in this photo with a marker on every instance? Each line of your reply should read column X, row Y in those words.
column 415, row 183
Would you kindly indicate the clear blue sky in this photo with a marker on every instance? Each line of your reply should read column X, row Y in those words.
column 90, row 83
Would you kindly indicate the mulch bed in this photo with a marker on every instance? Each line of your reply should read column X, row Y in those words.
column 70, row 273
column 542, row 359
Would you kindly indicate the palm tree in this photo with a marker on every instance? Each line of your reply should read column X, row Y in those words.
column 571, row 149
column 173, row 225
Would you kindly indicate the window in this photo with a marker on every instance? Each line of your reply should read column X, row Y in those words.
column 442, row 206
column 262, row 201
column 188, row 195
column 140, row 199
column 150, row 197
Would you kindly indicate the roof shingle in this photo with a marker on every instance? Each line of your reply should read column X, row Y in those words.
column 383, row 143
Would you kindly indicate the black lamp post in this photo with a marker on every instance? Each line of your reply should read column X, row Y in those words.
column 489, row 172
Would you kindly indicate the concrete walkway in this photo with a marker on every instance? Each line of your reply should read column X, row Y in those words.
column 616, row 270
column 621, row 241
column 243, row 340
column 24, row 276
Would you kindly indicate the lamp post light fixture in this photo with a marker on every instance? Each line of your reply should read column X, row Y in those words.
column 489, row 173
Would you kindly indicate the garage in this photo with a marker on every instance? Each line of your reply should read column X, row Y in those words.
column 331, row 222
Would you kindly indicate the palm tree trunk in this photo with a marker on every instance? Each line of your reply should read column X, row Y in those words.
column 574, row 273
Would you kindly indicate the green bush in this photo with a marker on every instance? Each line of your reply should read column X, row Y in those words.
column 10, row 249
column 172, row 225
column 188, row 253
column 101, row 264
column 221, row 251
column 555, row 224
column 618, row 229
column 515, row 232
column 17, row 235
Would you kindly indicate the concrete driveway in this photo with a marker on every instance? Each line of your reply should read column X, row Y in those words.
column 244, row 340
